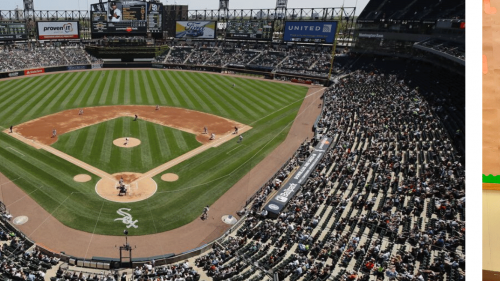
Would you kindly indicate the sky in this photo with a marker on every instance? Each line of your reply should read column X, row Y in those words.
column 193, row 4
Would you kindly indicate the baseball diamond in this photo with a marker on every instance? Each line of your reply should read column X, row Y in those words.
column 269, row 108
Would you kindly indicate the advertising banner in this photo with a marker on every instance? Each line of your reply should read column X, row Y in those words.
column 11, row 74
column 49, row 30
column 78, row 67
column 310, row 31
column 195, row 29
column 287, row 191
column 34, row 71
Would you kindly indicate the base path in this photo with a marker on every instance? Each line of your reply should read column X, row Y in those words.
column 48, row 231
column 191, row 121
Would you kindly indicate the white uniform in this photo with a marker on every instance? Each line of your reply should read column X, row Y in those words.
column 118, row 15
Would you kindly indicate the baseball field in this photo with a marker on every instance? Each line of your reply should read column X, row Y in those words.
column 266, row 109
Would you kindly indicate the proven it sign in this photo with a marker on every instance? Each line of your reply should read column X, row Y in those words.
column 49, row 30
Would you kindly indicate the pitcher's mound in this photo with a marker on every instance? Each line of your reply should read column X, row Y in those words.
column 122, row 142
column 169, row 177
column 82, row 178
column 136, row 190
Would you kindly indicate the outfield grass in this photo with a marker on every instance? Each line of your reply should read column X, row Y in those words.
column 94, row 145
column 268, row 107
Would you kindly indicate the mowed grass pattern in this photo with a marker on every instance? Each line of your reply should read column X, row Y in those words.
column 94, row 145
column 269, row 108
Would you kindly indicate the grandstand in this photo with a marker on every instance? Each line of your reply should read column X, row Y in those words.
column 384, row 201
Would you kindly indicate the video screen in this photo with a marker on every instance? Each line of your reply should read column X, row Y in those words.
column 245, row 29
column 13, row 31
column 126, row 17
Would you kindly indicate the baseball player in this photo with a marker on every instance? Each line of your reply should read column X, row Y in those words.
column 233, row 85
column 205, row 212
column 235, row 130
column 205, row 130
column 11, row 129
column 212, row 137
column 80, row 112
column 54, row 133
column 126, row 141
column 157, row 107
column 136, row 117
column 115, row 13
column 241, row 138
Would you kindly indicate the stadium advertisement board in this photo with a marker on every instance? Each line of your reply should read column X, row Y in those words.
column 11, row 74
column 245, row 29
column 77, row 67
column 310, row 31
column 50, row 30
column 195, row 29
column 287, row 191
column 34, row 71
column 13, row 31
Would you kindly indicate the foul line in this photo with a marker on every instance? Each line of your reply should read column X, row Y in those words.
column 50, row 215
column 21, row 198
column 92, row 236
column 10, row 181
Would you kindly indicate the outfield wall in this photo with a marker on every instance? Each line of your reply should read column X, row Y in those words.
column 246, row 70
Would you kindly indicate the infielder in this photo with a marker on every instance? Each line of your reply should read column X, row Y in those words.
column 241, row 138
column 136, row 117
column 157, row 107
column 54, row 133
column 205, row 130
column 80, row 112
column 235, row 130
column 205, row 213
column 126, row 141
column 11, row 129
column 212, row 137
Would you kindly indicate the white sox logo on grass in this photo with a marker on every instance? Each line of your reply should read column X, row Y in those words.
column 127, row 218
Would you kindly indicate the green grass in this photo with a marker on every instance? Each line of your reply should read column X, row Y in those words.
column 269, row 108
column 94, row 145
column 491, row 179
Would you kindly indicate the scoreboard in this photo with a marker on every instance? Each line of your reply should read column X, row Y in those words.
column 126, row 18
column 246, row 29
column 13, row 31
column 155, row 15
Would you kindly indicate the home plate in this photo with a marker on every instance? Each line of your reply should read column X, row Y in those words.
column 229, row 219
column 20, row 220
